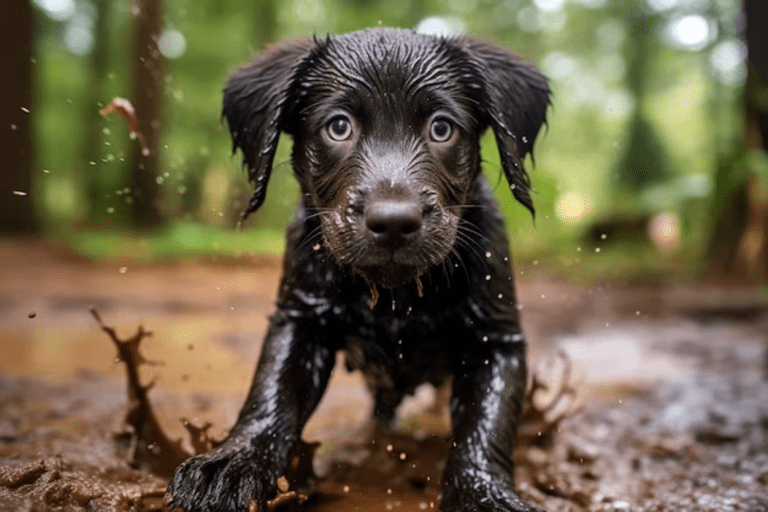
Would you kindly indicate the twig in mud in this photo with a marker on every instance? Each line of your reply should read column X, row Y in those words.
column 151, row 449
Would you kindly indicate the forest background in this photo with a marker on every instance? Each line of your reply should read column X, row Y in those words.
column 653, row 162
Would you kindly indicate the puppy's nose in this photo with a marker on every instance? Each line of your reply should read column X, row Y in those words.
column 393, row 222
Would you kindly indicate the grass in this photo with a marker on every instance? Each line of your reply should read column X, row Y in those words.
column 177, row 241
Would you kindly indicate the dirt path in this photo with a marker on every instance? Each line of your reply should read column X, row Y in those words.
column 674, row 401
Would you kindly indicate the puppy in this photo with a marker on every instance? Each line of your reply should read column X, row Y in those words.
column 386, row 127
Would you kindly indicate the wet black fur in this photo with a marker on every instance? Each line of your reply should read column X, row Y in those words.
column 447, row 303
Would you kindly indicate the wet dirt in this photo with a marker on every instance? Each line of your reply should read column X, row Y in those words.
column 672, row 409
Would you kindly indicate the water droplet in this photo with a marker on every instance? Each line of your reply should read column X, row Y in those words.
column 110, row 210
column 123, row 270
column 597, row 249
column 403, row 456
column 159, row 180
column 603, row 236
column 346, row 488
column 389, row 448
column 488, row 255
column 316, row 247
column 25, row 110
column 19, row 193
column 501, row 295
column 485, row 338
column 488, row 277
column 14, row 127
column 145, row 151
column 91, row 163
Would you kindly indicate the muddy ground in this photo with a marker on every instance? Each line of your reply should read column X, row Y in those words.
column 671, row 414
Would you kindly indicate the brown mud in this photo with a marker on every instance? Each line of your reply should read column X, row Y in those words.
column 671, row 411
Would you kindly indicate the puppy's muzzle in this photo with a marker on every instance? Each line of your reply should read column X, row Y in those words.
column 393, row 223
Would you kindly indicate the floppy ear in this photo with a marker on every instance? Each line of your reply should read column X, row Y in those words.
column 257, row 104
column 514, row 104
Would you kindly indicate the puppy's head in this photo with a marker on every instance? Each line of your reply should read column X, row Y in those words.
column 386, row 126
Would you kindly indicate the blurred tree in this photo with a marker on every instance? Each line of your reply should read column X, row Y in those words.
column 739, row 241
column 16, row 206
column 644, row 160
column 148, row 87
column 92, row 140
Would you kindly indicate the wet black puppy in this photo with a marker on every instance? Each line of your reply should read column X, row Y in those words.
column 386, row 126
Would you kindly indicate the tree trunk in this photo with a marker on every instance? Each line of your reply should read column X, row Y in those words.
column 93, row 139
column 739, row 242
column 148, row 80
column 17, row 215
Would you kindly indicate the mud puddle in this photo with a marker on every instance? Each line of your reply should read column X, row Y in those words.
column 672, row 412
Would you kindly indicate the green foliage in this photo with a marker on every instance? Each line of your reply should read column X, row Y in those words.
column 177, row 240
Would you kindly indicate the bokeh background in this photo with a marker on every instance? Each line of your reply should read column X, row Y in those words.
column 652, row 164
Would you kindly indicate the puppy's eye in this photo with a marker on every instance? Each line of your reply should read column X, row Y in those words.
column 440, row 130
column 340, row 128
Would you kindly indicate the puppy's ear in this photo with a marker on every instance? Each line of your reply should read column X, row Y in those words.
column 514, row 103
column 257, row 105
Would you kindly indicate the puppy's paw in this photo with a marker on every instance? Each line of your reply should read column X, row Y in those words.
column 227, row 479
column 482, row 491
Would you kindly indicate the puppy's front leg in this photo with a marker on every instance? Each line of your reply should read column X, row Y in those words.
column 291, row 376
column 488, row 395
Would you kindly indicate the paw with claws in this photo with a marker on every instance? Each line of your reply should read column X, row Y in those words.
column 228, row 479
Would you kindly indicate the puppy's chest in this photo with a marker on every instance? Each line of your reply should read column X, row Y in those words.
column 398, row 346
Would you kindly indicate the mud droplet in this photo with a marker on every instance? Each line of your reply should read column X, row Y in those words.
column 123, row 270
column 488, row 277
column 346, row 488
column 316, row 247
column 20, row 193
column 31, row 314
column 389, row 448
column 403, row 456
